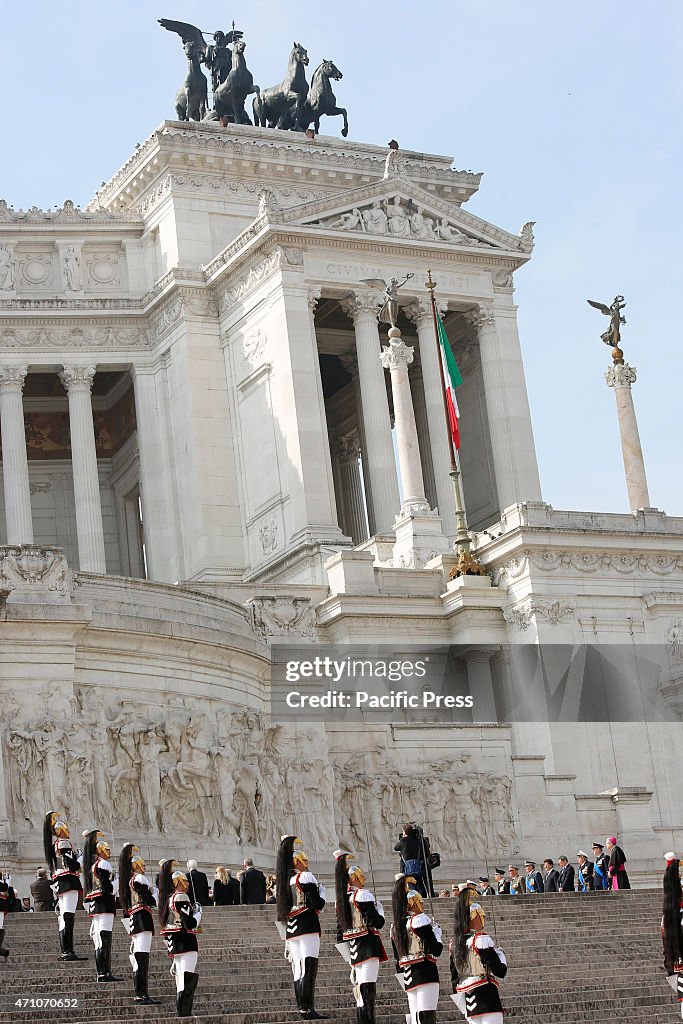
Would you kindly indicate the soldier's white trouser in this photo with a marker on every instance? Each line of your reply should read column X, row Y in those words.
column 67, row 903
column 2, row 918
column 298, row 949
column 424, row 997
column 183, row 963
column 141, row 942
column 100, row 923
column 363, row 973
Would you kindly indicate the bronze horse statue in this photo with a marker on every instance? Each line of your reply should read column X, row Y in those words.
column 192, row 99
column 281, row 105
column 230, row 97
column 321, row 100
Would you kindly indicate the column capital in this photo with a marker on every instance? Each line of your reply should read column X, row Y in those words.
column 349, row 361
column 77, row 378
column 480, row 317
column 621, row 375
column 420, row 311
column 347, row 449
column 13, row 377
column 396, row 353
column 314, row 294
column 363, row 305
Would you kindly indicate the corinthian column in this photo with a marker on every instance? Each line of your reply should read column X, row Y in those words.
column 14, row 461
column 78, row 383
column 420, row 313
column 379, row 459
column 348, row 452
column 396, row 357
column 620, row 377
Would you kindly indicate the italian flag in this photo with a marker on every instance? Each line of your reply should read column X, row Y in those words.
column 452, row 380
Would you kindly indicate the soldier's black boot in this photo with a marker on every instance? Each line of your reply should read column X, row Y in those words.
column 368, row 991
column 186, row 997
column 141, row 981
column 307, row 1010
column 3, row 951
column 105, row 958
column 66, row 939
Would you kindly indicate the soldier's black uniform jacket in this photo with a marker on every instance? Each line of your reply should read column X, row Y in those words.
column 142, row 904
column 418, row 965
column 477, row 986
column 367, row 917
column 585, row 876
column 180, row 931
column 66, row 878
column 101, row 898
column 307, row 903
column 503, row 887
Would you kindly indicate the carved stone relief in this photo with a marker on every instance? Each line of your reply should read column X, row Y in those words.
column 282, row 616
column 400, row 219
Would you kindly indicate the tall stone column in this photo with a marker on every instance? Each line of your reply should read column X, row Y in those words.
column 352, row 502
column 77, row 381
column 379, row 462
column 481, row 685
column 512, row 443
column 620, row 376
column 14, row 459
column 420, row 313
column 396, row 357
column 420, row 409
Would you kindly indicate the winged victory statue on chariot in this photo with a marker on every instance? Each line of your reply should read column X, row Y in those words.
column 292, row 105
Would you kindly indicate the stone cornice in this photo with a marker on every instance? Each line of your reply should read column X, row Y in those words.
column 269, row 148
column 69, row 215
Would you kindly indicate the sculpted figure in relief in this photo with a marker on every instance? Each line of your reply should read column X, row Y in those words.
column 375, row 219
column 72, row 270
column 6, row 269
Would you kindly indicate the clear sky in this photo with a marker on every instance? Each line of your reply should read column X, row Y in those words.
column 573, row 111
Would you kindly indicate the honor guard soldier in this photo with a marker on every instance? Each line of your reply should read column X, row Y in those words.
column 138, row 900
column 672, row 926
column 417, row 945
column 64, row 864
column 359, row 919
column 5, row 894
column 99, row 900
column 300, row 898
column 179, row 919
column 476, row 964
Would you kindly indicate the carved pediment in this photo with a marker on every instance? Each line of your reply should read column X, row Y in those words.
column 398, row 209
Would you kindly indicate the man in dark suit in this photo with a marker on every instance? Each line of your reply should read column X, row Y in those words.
column 532, row 879
column 565, row 882
column 41, row 890
column 199, row 885
column 501, row 882
column 551, row 877
column 252, row 884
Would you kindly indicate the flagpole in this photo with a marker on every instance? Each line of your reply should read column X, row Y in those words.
column 467, row 564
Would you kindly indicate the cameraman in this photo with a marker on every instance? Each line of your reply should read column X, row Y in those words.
column 409, row 847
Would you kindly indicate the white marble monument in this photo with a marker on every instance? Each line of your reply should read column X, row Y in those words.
column 198, row 462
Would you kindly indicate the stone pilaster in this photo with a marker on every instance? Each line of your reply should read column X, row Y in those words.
column 379, row 460
column 512, row 443
column 481, row 685
column 14, row 459
column 420, row 313
column 77, row 381
column 621, row 376
column 159, row 505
